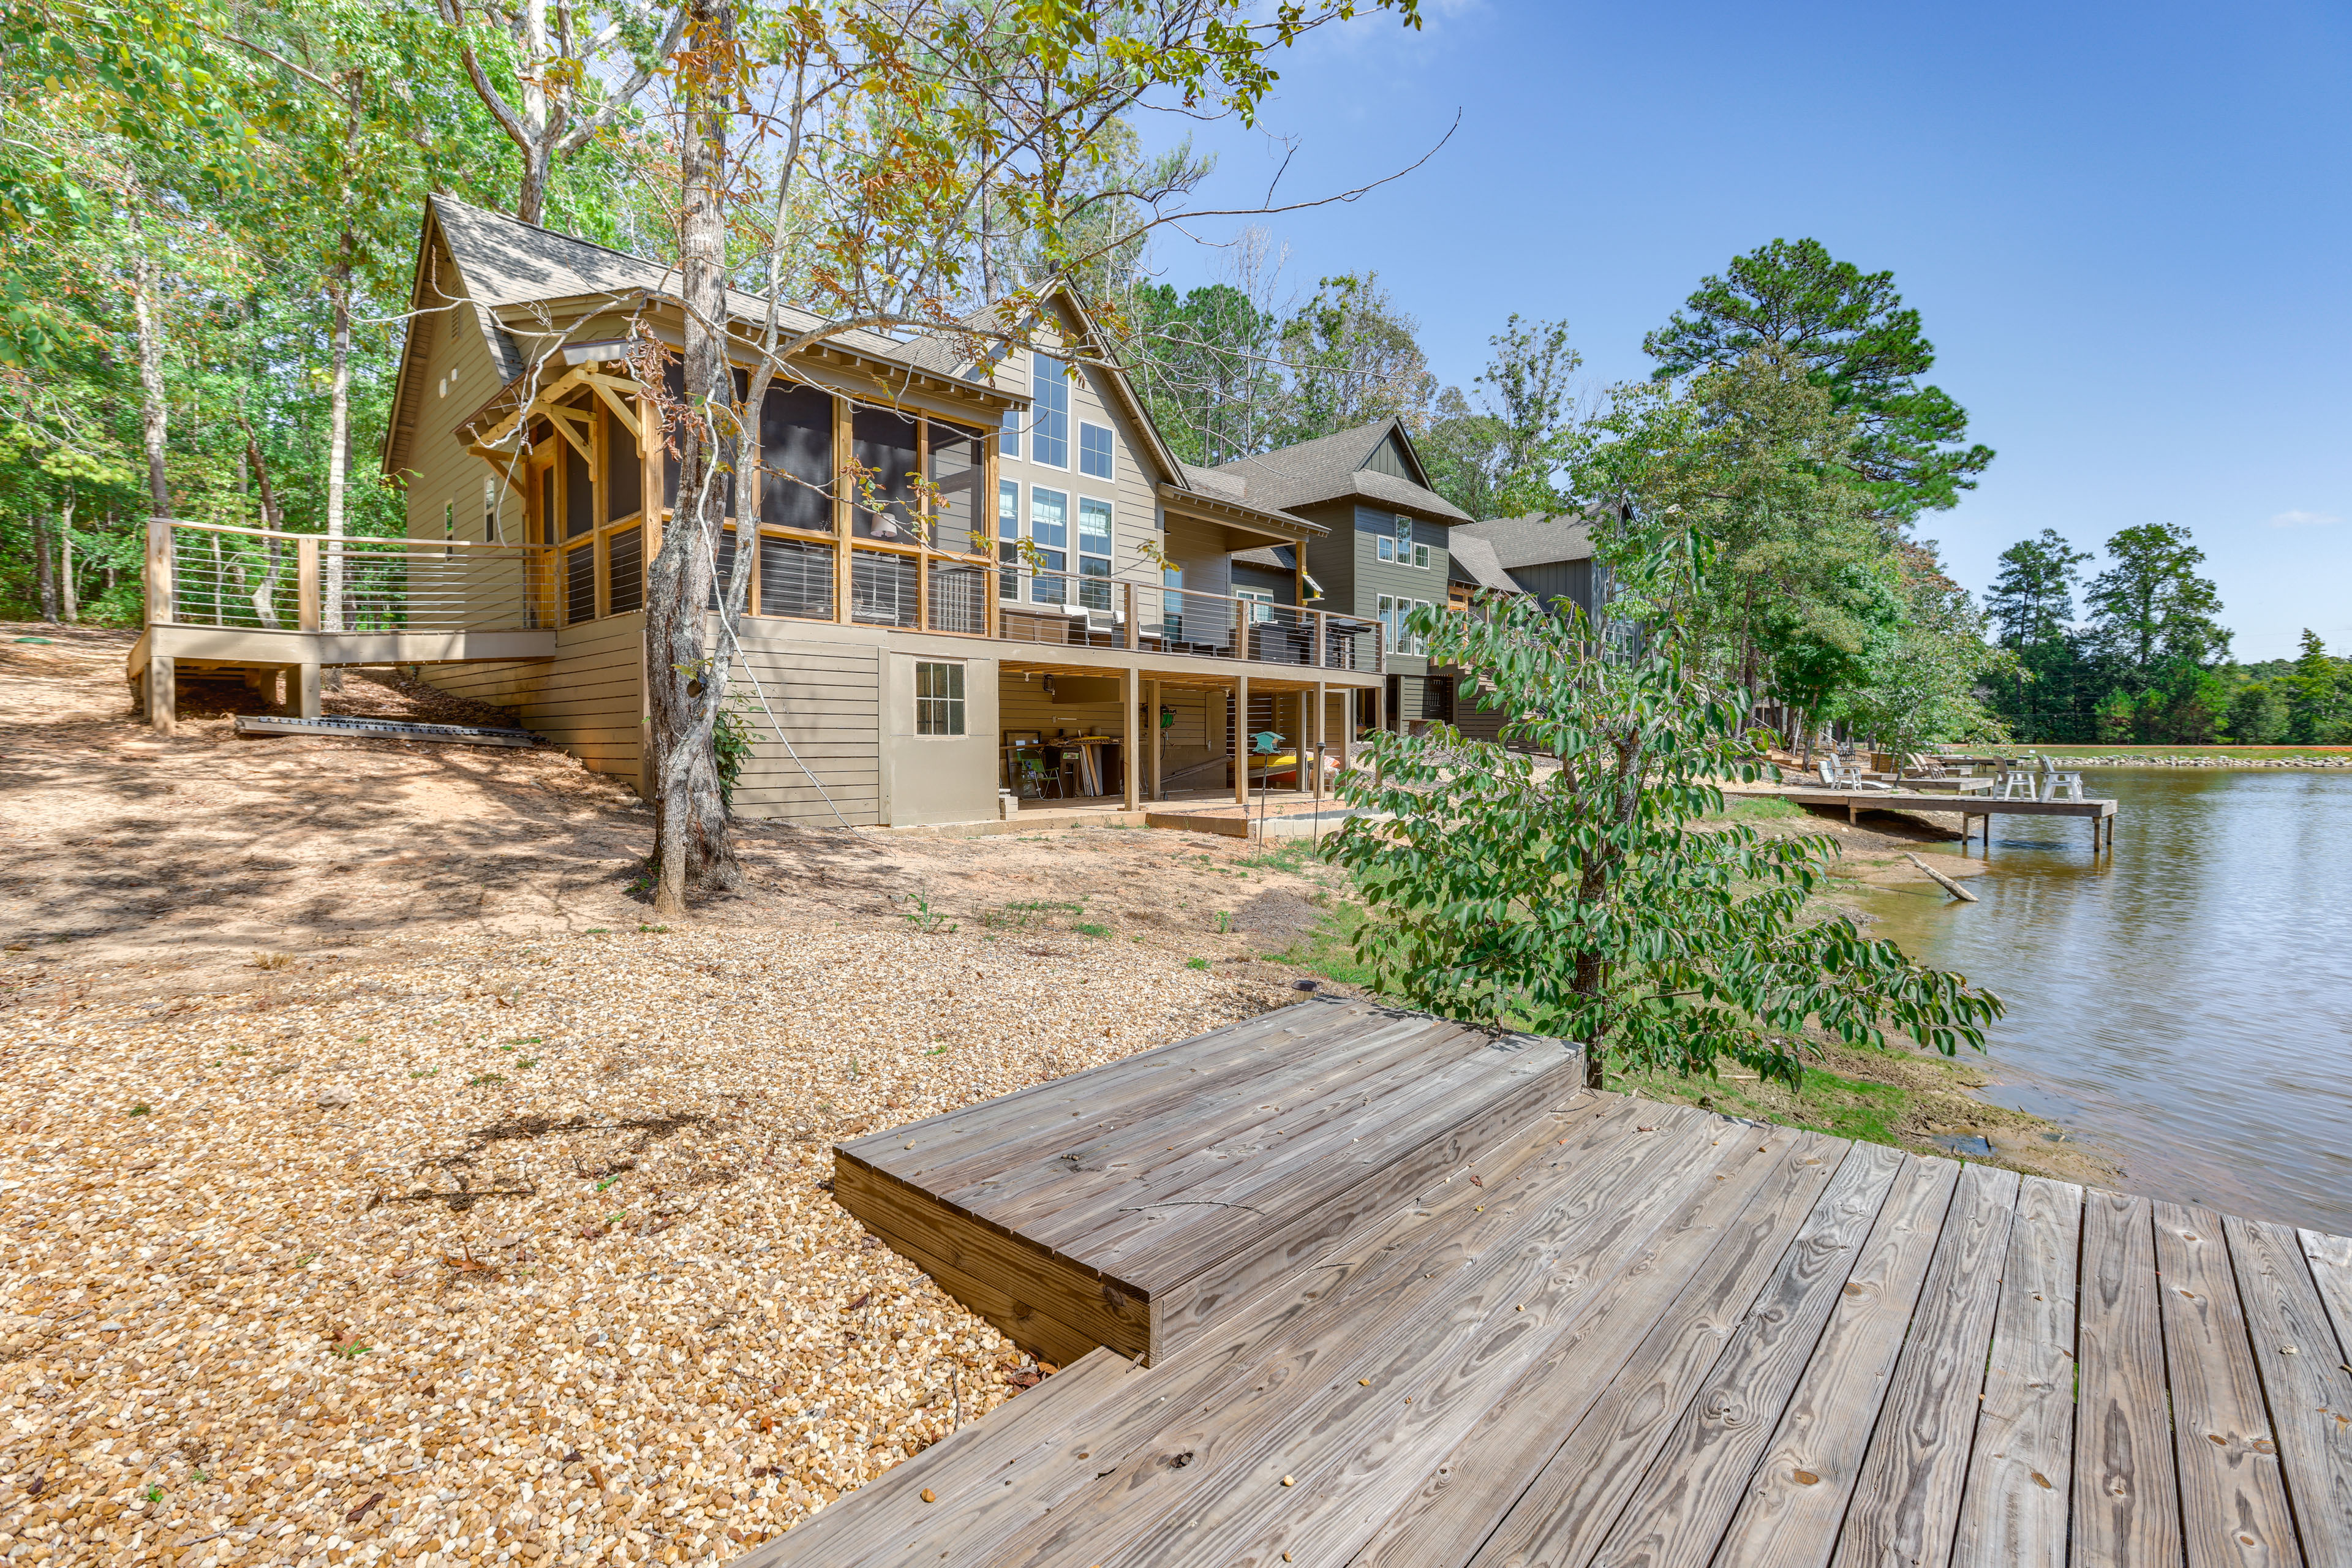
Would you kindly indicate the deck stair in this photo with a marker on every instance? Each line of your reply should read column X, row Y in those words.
column 1644, row 1333
column 1127, row 1205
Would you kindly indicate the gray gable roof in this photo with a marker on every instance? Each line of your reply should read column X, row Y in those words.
column 1280, row 557
column 505, row 261
column 1471, row 559
column 1518, row 542
column 1331, row 468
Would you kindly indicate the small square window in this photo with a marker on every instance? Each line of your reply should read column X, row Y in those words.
column 1386, row 548
column 1094, row 451
column 1421, row 556
column 938, row 698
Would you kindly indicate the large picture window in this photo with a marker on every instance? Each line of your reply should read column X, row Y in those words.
column 938, row 698
column 1049, row 416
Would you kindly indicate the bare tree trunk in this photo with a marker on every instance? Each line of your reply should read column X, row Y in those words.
column 45, row 571
column 153, row 413
column 339, row 441
column 69, row 601
column 691, row 845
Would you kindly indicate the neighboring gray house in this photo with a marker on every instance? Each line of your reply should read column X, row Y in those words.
column 1383, row 546
column 1550, row 558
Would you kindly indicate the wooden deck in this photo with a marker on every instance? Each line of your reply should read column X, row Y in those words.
column 2101, row 813
column 1614, row 1332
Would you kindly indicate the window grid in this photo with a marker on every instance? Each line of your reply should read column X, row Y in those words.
column 1049, row 424
column 938, row 698
column 1094, row 451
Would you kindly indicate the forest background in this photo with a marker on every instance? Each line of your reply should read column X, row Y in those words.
column 235, row 192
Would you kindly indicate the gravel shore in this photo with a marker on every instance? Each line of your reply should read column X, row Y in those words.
column 492, row 1251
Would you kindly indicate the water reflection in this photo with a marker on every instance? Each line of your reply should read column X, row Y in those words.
column 2189, row 994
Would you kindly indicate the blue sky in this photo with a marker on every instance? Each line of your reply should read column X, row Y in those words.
column 2127, row 229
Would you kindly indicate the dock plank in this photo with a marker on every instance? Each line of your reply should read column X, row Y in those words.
column 2330, row 1257
column 2310, row 1392
column 1693, row 1490
column 1713, row 1352
column 2234, row 1506
column 1906, row 1505
column 1800, row 1489
column 2020, row 1469
column 2126, row 1497
column 1493, row 1405
column 1210, row 1509
column 1386, row 1276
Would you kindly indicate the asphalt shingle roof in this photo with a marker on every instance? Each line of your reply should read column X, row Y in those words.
column 1331, row 468
column 1530, row 541
column 505, row 261
column 1471, row 560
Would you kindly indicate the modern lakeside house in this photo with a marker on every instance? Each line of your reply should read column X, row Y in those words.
column 1032, row 594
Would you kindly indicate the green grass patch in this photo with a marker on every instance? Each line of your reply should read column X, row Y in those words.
column 1330, row 950
column 1291, row 854
column 1841, row 1106
column 1757, row 809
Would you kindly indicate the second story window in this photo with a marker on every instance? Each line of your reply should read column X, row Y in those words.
column 1386, row 548
column 1049, row 420
column 1094, row 552
column 1404, row 539
column 1008, row 539
column 1008, row 439
column 1049, row 531
column 1094, row 451
column 1421, row 556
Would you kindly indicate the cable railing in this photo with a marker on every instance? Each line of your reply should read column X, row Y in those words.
column 254, row 579
column 1069, row 610
column 222, row 576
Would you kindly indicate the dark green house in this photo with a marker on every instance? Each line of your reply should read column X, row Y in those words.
column 1384, row 553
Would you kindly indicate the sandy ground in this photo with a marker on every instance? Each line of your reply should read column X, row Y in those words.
column 377, row 1183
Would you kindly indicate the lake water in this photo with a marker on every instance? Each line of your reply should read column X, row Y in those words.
column 2185, row 999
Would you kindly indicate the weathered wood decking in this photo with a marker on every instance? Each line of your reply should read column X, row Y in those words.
column 1618, row 1333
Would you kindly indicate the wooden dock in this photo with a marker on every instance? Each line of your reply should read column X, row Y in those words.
column 1608, row 1332
column 1967, row 807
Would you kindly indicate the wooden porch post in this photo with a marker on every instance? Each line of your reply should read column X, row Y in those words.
column 1153, row 720
column 1322, row 718
column 160, row 685
column 1131, row 785
column 1241, row 740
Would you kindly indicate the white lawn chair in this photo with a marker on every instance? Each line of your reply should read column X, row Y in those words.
column 2016, row 783
column 2061, row 785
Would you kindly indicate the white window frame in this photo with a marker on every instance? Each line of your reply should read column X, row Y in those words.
column 1039, row 376
column 1261, row 603
column 1386, row 548
column 1109, row 450
column 1060, row 582
column 1421, row 557
column 949, row 706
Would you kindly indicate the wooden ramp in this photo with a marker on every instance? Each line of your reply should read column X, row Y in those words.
column 1617, row 1332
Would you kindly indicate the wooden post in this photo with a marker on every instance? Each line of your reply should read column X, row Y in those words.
column 1322, row 721
column 1126, row 592
column 1346, row 723
column 841, row 527
column 302, row 690
column 1241, row 740
column 161, row 685
column 1130, row 686
column 1241, row 628
column 1153, row 720
column 305, row 587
